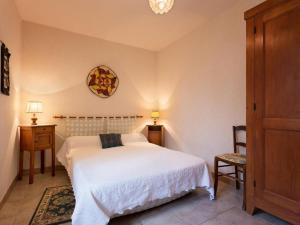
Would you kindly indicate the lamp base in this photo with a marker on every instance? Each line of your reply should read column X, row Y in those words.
column 155, row 122
column 34, row 119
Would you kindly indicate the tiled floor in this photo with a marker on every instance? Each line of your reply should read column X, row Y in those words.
column 193, row 209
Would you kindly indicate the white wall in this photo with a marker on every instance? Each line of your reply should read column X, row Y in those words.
column 199, row 81
column 202, row 85
column 10, row 34
column 55, row 67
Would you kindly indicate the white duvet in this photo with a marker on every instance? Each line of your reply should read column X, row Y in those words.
column 108, row 182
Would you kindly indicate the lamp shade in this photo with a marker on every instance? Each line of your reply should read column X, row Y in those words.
column 161, row 6
column 34, row 107
column 155, row 114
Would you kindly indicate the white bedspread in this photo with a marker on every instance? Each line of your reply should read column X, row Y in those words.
column 107, row 182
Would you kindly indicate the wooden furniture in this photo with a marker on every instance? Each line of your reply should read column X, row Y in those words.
column 235, row 159
column 273, row 108
column 36, row 138
column 156, row 134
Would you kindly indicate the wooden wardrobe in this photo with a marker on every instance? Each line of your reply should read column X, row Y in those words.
column 273, row 108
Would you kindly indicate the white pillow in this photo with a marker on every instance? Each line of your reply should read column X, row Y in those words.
column 83, row 141
column 133, row 137
column 76, row 142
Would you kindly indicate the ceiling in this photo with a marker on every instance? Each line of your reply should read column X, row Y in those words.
column 129, row 22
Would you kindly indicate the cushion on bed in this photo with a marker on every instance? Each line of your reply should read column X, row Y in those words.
column 82, row 141
column 133, row 137
column 110, row 140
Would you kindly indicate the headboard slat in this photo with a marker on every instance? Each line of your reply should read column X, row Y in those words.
column 94, row 125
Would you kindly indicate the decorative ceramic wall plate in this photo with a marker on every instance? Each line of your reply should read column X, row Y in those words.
column 102, row 81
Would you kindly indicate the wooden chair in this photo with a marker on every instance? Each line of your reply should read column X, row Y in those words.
column 233, row 159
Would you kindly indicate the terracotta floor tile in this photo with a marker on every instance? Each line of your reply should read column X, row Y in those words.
column 193, row 209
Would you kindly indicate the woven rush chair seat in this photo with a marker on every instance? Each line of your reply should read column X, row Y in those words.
column 233, row 157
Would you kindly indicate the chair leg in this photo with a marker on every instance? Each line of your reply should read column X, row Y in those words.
column 216, row 177
column 237, row 183
column 245, row 185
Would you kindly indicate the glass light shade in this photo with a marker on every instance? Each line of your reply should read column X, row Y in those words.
column 155, row 114
column 34, row 107
column 161, row 6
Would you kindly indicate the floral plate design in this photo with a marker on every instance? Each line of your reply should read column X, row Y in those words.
column 102, row 81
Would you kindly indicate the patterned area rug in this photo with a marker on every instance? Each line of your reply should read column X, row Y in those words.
column 55, row 207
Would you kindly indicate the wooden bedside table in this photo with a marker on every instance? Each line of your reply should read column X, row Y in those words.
column 36, row 138
column 156, row 134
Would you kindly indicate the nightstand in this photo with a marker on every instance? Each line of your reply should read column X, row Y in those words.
column 156, row 134
column 36, row 138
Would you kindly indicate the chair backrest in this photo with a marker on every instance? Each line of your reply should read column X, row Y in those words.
column 237, row 144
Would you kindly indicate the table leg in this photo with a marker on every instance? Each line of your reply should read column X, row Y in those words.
column 216, row 177
column 53, row 161
column 42, row 161
column 21, row 164
column 31, row 169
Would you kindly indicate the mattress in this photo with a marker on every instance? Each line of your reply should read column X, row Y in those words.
column 130, row 178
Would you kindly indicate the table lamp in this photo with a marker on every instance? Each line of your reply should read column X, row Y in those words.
column 34, row 107
column 155, row 116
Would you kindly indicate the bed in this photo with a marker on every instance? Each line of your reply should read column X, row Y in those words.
column 126, row 179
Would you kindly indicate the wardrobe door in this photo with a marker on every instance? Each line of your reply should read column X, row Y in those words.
column 277, row 115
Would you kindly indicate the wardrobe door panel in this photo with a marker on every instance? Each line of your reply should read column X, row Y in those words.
column 282, row 169
column 282, row 65
column 277, row 117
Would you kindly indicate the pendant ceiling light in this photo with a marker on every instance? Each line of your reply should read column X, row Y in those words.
column 161, row 6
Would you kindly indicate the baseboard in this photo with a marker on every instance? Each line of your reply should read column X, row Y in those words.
column 8, row 192
column 25, row 172
column 47, row 169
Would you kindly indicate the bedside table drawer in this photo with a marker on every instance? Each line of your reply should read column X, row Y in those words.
column 155, row 128
column 43, row 141
column 43, row 130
